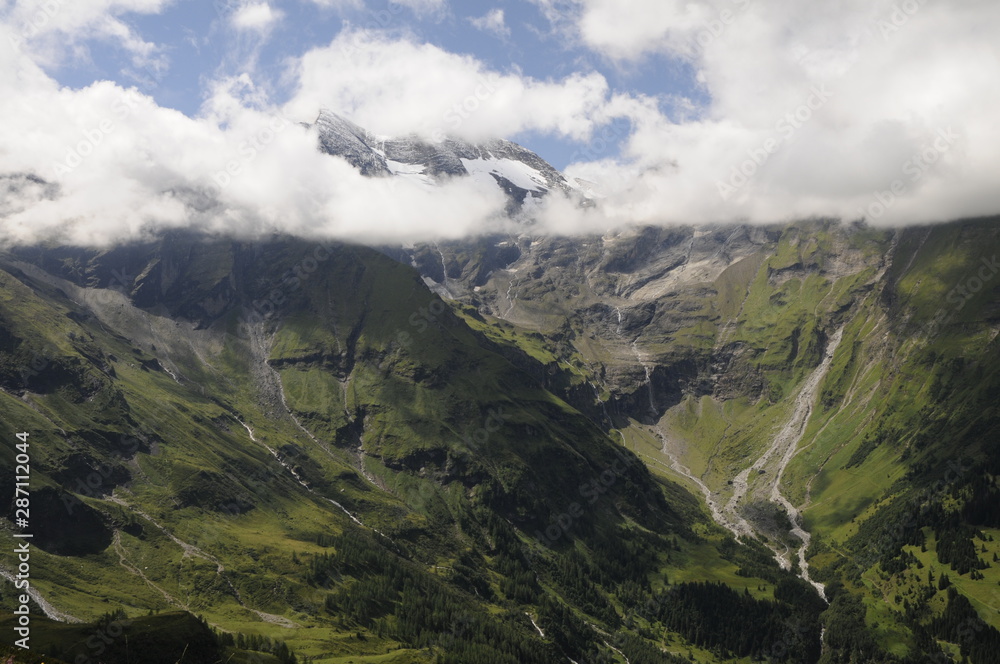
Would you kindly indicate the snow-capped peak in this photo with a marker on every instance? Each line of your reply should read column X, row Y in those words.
column 519, row 172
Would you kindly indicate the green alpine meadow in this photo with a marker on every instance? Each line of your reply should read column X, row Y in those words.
column 684, row 445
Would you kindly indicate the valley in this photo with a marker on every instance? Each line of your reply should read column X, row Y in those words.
column 766, row 439
column 367, row 452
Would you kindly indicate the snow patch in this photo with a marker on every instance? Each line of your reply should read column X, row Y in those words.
column 517, row 172
column 412, row 172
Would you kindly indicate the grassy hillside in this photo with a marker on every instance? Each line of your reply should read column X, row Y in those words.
column 304, row 444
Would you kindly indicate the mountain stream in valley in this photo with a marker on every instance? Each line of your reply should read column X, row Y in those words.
column 770, row 466
column 776, row 459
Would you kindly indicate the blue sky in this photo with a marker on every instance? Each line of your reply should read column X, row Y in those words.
column 195, row 45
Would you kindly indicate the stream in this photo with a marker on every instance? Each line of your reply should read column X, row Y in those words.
column 783, row 448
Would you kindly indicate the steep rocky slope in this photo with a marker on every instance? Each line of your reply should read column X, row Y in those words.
column 827, row 389
column 520, row 173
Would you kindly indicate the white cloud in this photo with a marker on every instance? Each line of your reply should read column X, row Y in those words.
column 627, row 30
column 493, row 21
column 398, row 86
column 897, row 75
column 52, row 30
column 256, row 17
column 120, row 167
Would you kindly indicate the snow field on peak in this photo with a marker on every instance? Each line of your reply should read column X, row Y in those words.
column 517, row 172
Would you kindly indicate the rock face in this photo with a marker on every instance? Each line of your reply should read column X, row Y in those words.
column 518, row 171
column 653, row 312
column 343, row 138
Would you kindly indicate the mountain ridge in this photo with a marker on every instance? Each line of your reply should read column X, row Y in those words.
column 519, row 172
column 693, row 341
column 232, row 425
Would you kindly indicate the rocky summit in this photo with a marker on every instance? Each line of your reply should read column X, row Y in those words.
column 519, row 172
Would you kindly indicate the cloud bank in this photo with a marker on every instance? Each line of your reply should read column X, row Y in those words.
column 119, row 167
column 881, row 110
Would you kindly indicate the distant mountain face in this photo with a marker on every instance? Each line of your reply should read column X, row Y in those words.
column 519, row 172
column 829, row 390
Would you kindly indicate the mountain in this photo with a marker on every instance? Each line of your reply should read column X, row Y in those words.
column 519, row 172
column 303, row 443
column 694, row 444
column 828, row 390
